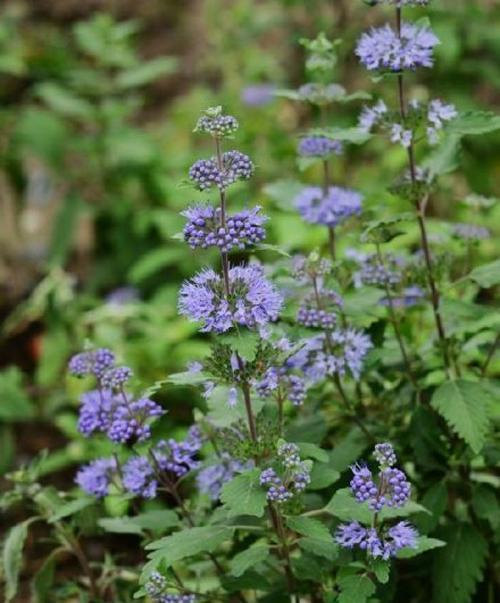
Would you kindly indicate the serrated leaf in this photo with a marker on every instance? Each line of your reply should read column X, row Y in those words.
column 459, row 566
column 445, row 158
column 320, row 548
column 322, row 476
column 12, row 557
column 486, row 275
column 312, row 528
column 187, row 543
column 120, row 525
column 187, row 378
column 381, row 569
column 70, row 508
column 243, row 495
column 353, row 135
column 423, row 544
column 248, row 559
column 464, row 406
column 308, row 450
column 474, row 123
column 355, row 588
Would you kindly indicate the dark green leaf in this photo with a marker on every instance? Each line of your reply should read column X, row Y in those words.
column 243, row 495
column 464, row 406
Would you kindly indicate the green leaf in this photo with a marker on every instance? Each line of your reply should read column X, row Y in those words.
column 322, row 476
column 307, row 526
column 355, row 588
column 274, row 248
column 486, row 275
column 144, row 73
column 283, row 192
column 445, row 158
column 70, row 508
column 423, row 544
column 187, row 543
column 61, row 100
column 474, row 123
column 12, row 557
column 320, row 548
column 381, row 570
column 308, row 450
column 41, row 585
column 15, row 404
column 156, row 521
column 243, row 495
column 248, row 559
column 348, row 449
column 62, row 235
column 120, row 525
column 464, row 406
column 353, row 135
column 187, row 378
column 154, row 261
column 459, row 566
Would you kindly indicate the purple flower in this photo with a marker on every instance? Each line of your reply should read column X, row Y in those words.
column 329, row 210
column 179, row 457
column 319, row 146
column 121, row 418
column 350, row 535
column 283, row 382
column 95, row 478
column 401, row 135
column 288, row 453
column 378, row 543
column 372, row 116
column 402, row 535
column 362, row 485
column 382, row 48
column 216, row 124
column 438, row 113
column 348, row 349
column 211, row 479
column 94, row 362
column 470, row 232
column 325, row 318
column 395, row 490
column 138, row 477
column 410, row 296
column 372, row 272
column 252, row 302
column 115, row 378
column 384, row 454
column 123, row 296
column 258, row 95
column 207, row 173
column 130, row 421
column 204, row 228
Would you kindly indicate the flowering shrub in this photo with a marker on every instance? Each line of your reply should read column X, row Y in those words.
column 334, row 443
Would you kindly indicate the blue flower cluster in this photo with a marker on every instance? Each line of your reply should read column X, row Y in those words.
column 324, row 317
column 211, row 478
column 383, row 48
column 216, row 124
column 283, row 384
column 330, row 209
column 292, row 479
column 235, row 166
column 431, row 117
column 156, row 588
column 252, row 301
column 319, row 146
column 393, row 490
column 205, row 228
column 120, row 417
column 342, row 350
